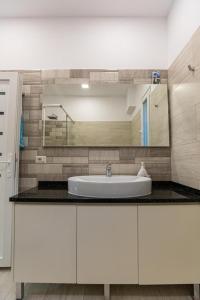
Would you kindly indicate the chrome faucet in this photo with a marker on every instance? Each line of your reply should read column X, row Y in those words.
column 109, row 170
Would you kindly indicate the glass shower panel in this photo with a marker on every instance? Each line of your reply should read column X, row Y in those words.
column 57, row 126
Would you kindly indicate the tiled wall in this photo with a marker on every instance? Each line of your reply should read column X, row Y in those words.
column 159, row 116
column 65, row 162
column 185, row 114
column 88, row 133
column 56, row 133
column 136, row 129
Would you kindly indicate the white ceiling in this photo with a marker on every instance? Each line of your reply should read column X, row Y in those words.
column 85, row 8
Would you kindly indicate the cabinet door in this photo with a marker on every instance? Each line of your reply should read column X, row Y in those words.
column 107, row 244
column 45, row 243
column 169, row 244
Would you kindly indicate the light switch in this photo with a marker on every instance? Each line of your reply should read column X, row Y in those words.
column 41, row 159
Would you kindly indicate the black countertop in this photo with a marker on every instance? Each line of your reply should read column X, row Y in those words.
column 56, row 192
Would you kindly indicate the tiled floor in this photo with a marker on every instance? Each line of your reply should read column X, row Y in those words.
column 88, row 292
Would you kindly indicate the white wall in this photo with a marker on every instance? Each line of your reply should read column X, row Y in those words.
column 134, row 43
column 183, row 21
column 89, row 108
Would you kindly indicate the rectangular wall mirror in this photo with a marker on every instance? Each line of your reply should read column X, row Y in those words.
column 105, row 114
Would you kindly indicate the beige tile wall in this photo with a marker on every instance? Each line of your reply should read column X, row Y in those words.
column 159, row 117
column 88, row 133
column 65, row 162
column 185, row 114
column 136, row 129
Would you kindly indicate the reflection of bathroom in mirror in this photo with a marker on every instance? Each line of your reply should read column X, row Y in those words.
column 110, row 114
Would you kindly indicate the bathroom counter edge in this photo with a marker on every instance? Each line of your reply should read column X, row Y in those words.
column 56, row 192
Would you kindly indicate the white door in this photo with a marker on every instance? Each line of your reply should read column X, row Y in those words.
column 9, row 151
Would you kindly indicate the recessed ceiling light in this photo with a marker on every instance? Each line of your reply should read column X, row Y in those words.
column 85, row 86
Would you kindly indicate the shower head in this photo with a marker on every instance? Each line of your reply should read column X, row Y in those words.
column 191, row 68
column 53, row 117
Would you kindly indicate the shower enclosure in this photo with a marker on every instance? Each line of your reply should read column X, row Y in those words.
column 57, row 125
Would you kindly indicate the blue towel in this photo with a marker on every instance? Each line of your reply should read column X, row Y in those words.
column 22, row 143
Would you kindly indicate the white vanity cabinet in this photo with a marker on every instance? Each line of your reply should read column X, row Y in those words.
column 107, row 244
column 169, row 244
column 45, row 243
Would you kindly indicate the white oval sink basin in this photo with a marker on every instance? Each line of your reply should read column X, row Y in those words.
column 109, row 187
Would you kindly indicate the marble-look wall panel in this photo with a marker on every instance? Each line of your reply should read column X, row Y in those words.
column 136, row 129
column 159, row 117
column 65, row 162
column 58, row 133
column 185, row 118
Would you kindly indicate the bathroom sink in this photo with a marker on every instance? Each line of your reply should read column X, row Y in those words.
column 109, row 187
